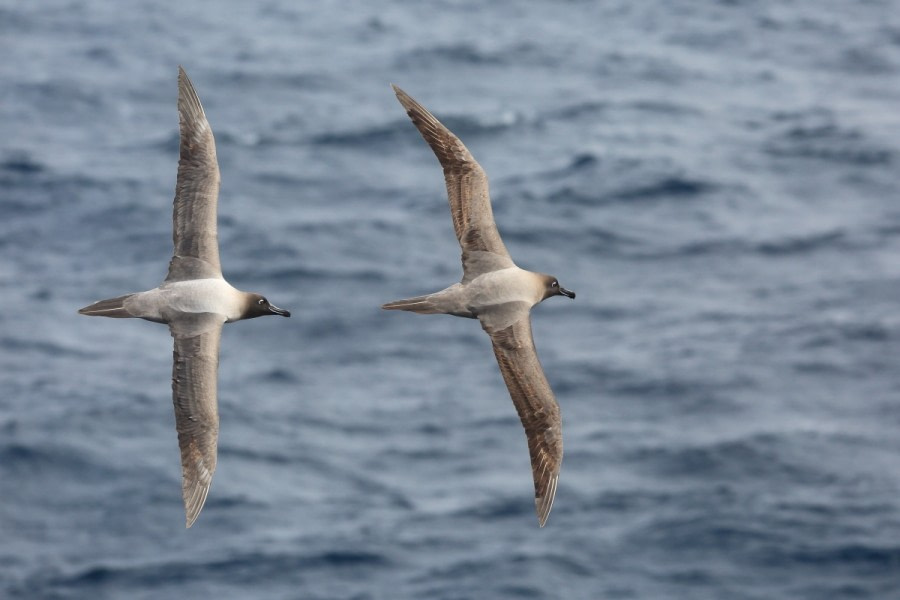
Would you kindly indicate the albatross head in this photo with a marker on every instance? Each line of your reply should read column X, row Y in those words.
column 552, row 288
column 258, row 306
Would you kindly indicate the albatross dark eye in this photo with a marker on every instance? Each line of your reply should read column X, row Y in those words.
column 554, row 284
column 262, row 301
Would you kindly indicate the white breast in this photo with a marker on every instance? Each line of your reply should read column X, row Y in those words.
column 205, row 296
column 505, row 285
column 196, row 296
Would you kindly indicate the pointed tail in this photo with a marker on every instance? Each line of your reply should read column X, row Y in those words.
column 419, row 304
column 113, row 307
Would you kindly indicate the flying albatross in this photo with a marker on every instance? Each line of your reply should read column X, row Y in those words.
column 500, row 295
column 194, row 301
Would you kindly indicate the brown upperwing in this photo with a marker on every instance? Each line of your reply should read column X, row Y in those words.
column 467, row 191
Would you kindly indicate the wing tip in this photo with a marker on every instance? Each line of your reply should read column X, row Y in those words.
column 195, row 486
column 406, row 100
column 194, row 499
column 543, row 504
column 188, row 101
column 399, row 91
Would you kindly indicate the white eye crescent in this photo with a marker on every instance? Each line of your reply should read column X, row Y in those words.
column 554, row 284
column 261, row 301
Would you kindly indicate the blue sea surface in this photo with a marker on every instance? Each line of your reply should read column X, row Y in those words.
column 717, row 180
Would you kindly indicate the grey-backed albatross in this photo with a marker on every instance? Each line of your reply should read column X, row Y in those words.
column 497, row 293
column 194, row 301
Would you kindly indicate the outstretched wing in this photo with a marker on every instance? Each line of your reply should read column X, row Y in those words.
column 196, row 254
column 194, row 375
column 467, row 191
column 509, row 326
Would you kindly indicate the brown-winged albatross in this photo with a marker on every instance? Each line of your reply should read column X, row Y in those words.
column 194, row 301
column 500, row 295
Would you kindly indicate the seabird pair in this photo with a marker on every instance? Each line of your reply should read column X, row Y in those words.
column 195, row 300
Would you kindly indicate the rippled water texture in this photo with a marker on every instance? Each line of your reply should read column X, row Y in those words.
column 717, row 181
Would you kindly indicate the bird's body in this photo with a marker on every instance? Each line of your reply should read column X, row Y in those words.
column 484, row 292
column 499, row 294
column 172, row 299
column 194, row 301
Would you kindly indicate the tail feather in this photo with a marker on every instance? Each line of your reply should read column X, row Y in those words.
column 419, row 304
column 113, row 307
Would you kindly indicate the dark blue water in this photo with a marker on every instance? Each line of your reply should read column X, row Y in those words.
column 717, row 181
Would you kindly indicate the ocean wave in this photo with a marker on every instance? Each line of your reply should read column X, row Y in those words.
column 14, row 20
column 304, row 273
column 256, row 455
column 836, row 238
column 611, row 110
column 640, row 384
column 666, row 186
column 257, row 79
column 635, row 65
column 816, row 134
column 232, row 569
column 398, row 131
column 461, row 53
column 589, row 180
column 72, row 97
column 603, row 241
column 26, row 458
column 279, row 376
column 31, row 185
column 498, row 508
column 733, row 459
column 450, row 53
column 870, row 59
column 770, row 456
column 789, row 245
column 848, row 555
column 41, row 347
column 21, row 164
column 364, row 137
column 648, row 249
column 831, row 334
column 497, row 569
column 705, row 533
column 589, row 108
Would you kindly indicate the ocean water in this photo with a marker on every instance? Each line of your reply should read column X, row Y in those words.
column 717, row 180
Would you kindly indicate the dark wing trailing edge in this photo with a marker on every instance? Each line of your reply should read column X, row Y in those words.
column 467, row 192
column 196, row 253
column 194, row 375
column 532, row 396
